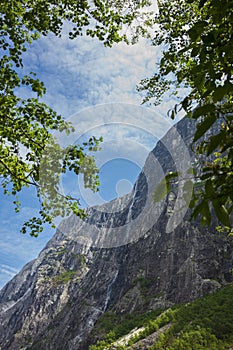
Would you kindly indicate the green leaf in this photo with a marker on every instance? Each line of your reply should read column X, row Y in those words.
column 219, row 93
column 206, row 176
column 203, row 110
column 161, row 191
column 214, row 142
column 204, row 126
column 221, row 213
column 164, row 186
column 202, row 3
column 194, row 34
column 197, row 30
column 195, row 51
column 205, row 214
column 209, row 189
column 197, row 208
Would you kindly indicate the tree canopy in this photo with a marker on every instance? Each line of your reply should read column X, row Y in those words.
column 196, row 37
column 26, row 125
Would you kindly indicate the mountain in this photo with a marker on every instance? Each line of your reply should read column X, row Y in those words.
column 129, row 255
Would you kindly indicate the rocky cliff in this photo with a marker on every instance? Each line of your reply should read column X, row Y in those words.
column 129, row 254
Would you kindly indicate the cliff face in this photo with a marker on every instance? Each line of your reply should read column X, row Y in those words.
column 130, row 254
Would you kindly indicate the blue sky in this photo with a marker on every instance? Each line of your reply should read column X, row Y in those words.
column 95, row 88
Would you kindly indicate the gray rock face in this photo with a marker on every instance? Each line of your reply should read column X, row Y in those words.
column 130, row 254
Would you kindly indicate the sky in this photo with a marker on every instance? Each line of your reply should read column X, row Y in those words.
column 94, row 87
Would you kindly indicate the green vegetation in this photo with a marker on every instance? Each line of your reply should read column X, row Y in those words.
column 114, row 327
column 64, row 277
column 206, row 323
column 197, row 67
column 82, row 259
column 143, row 282
column 192, row 339
column 79, row 256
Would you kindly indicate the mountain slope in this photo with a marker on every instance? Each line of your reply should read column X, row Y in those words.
column 203, row 324
column 130, row 255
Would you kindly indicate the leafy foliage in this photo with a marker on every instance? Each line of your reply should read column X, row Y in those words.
column 203, row 324
column 64, row 277
column 206, row 323
column 196, row 36
column 26, row 125
column 114, row 327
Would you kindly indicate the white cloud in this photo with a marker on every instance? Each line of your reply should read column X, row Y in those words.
column 83, row 72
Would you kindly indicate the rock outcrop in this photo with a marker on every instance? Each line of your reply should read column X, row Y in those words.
column 130, row 254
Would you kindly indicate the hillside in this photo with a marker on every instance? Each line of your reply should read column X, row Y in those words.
column 206, row 323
